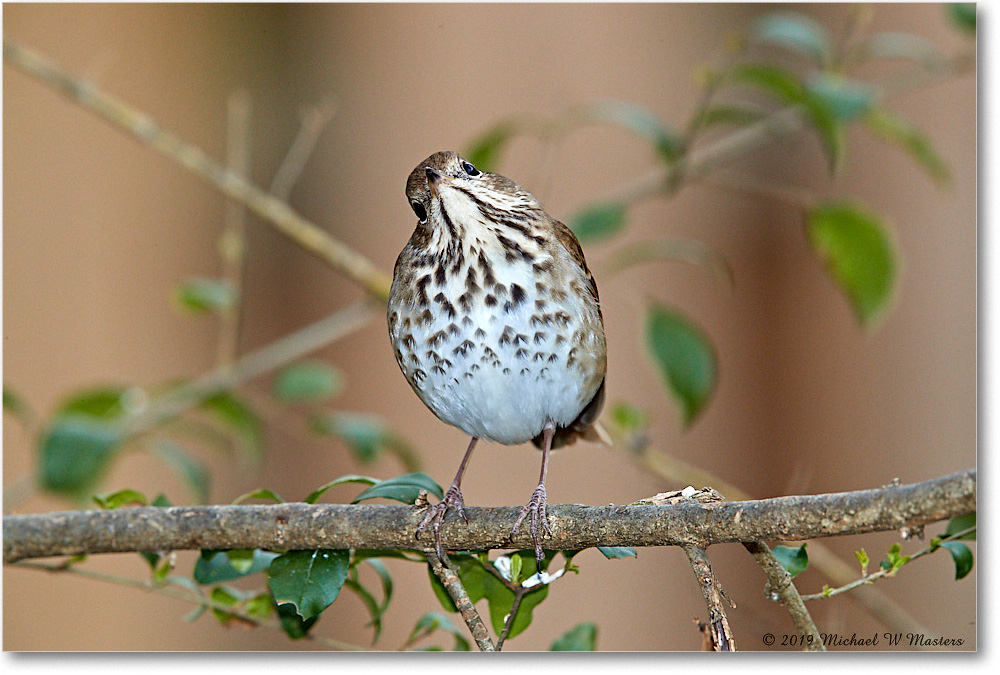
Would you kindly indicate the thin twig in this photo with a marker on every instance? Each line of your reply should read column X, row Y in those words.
column 790, row 194
column 869, row 578
column 519, row 593
column 314, row 120
column 306, row 234
column 663, row 180
column 180, row 594
column 280, row 352
column 711, row 590
column 780, row 584
column 232, row 243
column 449, row 579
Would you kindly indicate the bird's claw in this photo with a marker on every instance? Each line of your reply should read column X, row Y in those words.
column 536, row 507
column 436, row 513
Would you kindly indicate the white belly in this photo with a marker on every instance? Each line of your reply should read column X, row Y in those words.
column 498, row 374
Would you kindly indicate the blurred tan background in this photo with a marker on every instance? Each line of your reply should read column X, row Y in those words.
column 97, row 229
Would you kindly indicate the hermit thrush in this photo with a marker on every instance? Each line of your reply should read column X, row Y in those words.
column 495, row 321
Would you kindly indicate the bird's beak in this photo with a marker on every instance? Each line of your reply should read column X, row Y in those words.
column 434, row 177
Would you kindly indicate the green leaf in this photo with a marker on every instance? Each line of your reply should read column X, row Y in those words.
column 239, row 420
column 730, row 114
column 214, row 567
column 114, row 500
column 963, row 15
column 961, row 524
column 223, row 596
column 403, row 488
column 831, row 132
column 777, row 82
column 685, row 358
column 580, row 638
column 294, row 625
column 501, row 601
column 433, row 621
column 628, row 418
column 481, row 584
column 856, row 251
column 639, row 120
column 613, row 552
column 909, row 138
column 484, row 151
column 263, row 493
column 193, row 472
column 890, row 45
column 598, row 222
column 375, row 608
column 863, row 559
column 306, row 381
column 309, row 580
column 472, row 574
column 516, row 566
column 962, row 556
column 366, row 553
column 75, row 451
column 16, row 406
column 796, row 32
column 794, row 560
column 366, row 435
column 161, row 501
column 894, row 559
column 199, row 295
column 260, row 605
column 318, row 492
column 241, row 559
column 845, row 97
column 784, row 86
column 107, row 402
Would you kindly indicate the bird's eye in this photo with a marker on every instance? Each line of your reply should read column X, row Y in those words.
column 469, row 169
column 418, row 209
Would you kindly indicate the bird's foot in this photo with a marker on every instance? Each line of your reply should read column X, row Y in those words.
column 536, row 507
column 436, row 513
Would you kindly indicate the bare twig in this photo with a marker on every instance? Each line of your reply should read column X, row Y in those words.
column 314, row 120
column 280, row 352
column 711, row 590
column 306, row 234
column 449, row 579
column 574, row 526
column 232, row 243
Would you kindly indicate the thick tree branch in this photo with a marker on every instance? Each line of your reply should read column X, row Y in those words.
column 574, row 526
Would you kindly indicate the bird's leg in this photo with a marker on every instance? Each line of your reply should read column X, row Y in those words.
column 452, row 498
column 536, row 505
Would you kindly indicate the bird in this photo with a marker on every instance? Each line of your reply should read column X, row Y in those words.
column 495, row 321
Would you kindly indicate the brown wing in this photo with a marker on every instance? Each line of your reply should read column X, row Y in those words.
column 572, row 244
column 581, row 425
